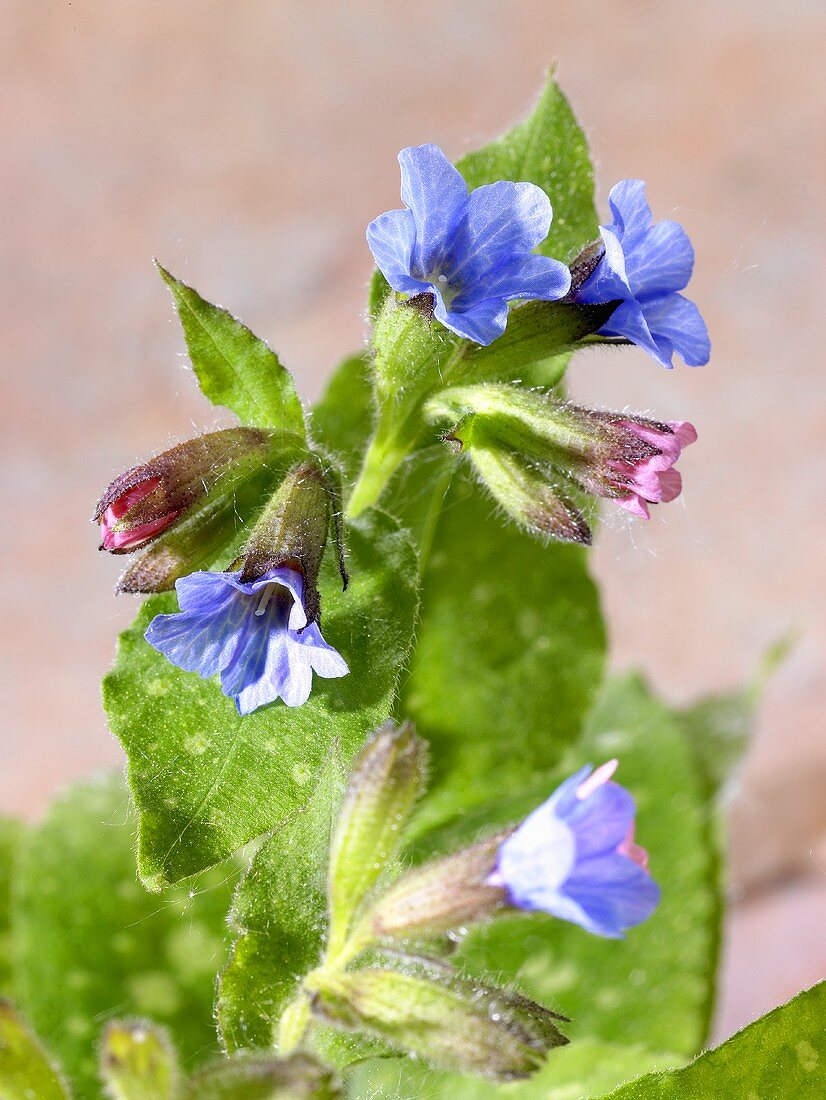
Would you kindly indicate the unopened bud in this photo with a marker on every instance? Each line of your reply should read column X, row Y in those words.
column 146, row 500
column 442, row 895
column 387, row 778
column 528, row 491
column 521, row 440
column 292, row 531
column 138, row 1062
column 453, row 1023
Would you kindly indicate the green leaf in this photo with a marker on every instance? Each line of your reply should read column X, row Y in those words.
column 655, row 987
column 138, row 1062
column 206, row 780
column 279, row 917
column 11, row 832
column 342, row 420
column 263, row 1077
column 386, row 780
column 233, row 366
column 25, row 1071
column 92, row 945
column 550, row 150
column 782, row 1055
column 502, row 702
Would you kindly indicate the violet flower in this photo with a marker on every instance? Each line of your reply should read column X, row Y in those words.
column 653, row 479
column 575, row 857
column 644, row 266
column 473, row 252
column 254, row 634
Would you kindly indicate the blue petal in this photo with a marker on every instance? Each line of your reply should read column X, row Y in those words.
column 677, row 320
column 662, row 262
column 630, row 211
column 531, row 277
column 202, row 640
column 601, row 821
column 535, row 861
column 436, row 195
column 501, row 220
column 392, row 237
column 482, row 323
column 629, row 320
column 614, row 892
column 323, row 659
column 608, row 281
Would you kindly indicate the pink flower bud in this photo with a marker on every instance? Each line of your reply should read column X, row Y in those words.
column 123, row 539
column 651, row 478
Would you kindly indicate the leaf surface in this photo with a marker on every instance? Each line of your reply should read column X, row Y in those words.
column 234, row 367
column 92, row 945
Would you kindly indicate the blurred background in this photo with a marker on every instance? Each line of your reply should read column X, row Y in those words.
column 247, row 146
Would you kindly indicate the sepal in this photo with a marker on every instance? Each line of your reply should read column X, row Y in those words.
column 452, row 1022
column 440, row 896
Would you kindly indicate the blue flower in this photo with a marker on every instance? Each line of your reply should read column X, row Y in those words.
column 644, row 266
column 255, row 634
column 574, row 857
column 472, row 251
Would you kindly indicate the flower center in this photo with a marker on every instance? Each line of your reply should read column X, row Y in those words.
column 441, row 283
column 282, row 596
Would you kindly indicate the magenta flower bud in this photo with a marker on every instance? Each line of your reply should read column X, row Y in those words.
column 119, row 540
column 143, row 502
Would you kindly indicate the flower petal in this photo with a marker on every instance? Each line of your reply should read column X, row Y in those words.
column 501, row 220
column 482, row 323
column 601, row 821
column 661, row 262
column 436, row 195
column 630, row 211
column 531, row 277
column 614, row 892
column 202, row 640
column 392, row 238
column 677, row 320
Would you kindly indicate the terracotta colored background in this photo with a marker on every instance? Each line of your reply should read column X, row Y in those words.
column 247, row 145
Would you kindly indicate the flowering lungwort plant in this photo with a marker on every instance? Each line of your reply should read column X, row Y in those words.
column 380, row 931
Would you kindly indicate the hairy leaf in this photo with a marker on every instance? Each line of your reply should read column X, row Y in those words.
column 25, row 1071
column 510, row 655
column 92, row 945
column 233, row 366
column 341, row 421
column 279, row 917
column 206, row 780
column 782, row 1055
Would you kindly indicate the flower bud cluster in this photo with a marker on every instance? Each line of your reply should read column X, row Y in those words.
column 537, row 455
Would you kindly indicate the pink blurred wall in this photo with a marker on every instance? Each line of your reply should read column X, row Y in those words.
column 247, row 145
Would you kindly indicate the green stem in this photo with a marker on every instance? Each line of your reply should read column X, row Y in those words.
column 293, row 1024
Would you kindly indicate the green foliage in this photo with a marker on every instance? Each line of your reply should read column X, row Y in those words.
column 499, row 703
column 205, row 780
column 341, row 421
column 10, row 836
column 138, row 1062
column 25, row 1071
column 780, row 1057
column 279, row 917
column 550, row 150
column 233, row 366
column 92, row 945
